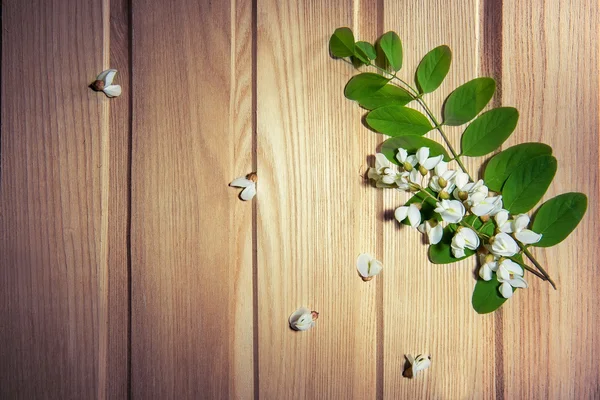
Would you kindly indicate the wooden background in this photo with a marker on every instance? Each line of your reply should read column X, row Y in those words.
column 128, row 268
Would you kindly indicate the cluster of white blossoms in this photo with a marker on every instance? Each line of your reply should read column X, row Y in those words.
column 455, row 197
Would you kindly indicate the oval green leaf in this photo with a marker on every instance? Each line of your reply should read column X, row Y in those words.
column 341, row 43
column 364, row 85
column 528, row 183
column 468, row 100
column 504, row 163
column 489, row 131
column 397, row 120
column 387, row 95
column 558, row 217
column 486, row 296
column 365, row 51
column 433, row 69
column 391, row 46
column 411, row 143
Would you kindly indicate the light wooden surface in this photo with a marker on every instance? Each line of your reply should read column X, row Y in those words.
column 128, row 268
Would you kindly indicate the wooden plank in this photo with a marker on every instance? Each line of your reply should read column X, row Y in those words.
column 113, row 360
column 550, row 73
column 191, row 237
column 315, row 212
column 427, row 308
column 51, row 250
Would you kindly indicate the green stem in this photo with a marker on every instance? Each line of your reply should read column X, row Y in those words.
column 537, row 264
column 528, row 268
column 417, row 96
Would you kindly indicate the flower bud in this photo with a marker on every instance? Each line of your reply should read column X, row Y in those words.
column 314, row 315
column 463, row 195
column 444, row 195
column 485, row 218
column 252, row 177
column 407, row 166
column 98, row 85
column 489, row 258
column 423, row 171
column 442, row 182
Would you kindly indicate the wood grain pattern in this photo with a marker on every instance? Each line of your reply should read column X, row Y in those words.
column 128, row 268
column 191, row 238
column 315, row 215
column 51, row 251
column 553, row 81
column 428, row 307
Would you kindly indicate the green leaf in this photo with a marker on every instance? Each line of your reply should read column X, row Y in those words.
column 504, row 163
column 372, row 91
column 341, row 43
column 468, row 100
column 411, row 143
column 397, row 120
column 558, row 217
column 364, row 85
column 391, row 46
column 489, row 131
column 433, row 69
column 527, row 184
column 486, row 296
column 386, row 96
column 427, row 205
column 365, row 51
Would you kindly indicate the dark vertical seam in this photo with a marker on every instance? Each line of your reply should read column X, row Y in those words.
column 129, row 204
column 380, row 354
column 491, row 65
column 255, row 355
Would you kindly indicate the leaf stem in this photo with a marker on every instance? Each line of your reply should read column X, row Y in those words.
column 537, row 264
column 418, row 97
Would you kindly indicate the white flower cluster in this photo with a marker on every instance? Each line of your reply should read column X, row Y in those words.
column 455, row 196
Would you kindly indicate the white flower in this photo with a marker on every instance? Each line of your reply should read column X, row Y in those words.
column 487, row 206
column 404, row 158
column 502, row 222
column 411, row 211
column 368, row 266
column 248, row 183
column 104, row 83
column 510, row 274
column 417, row 364
column 452, row 211
column 461, row 180
column 385, row 174
column 447, row 178
column 433, row 230
column 489, row 264
column 464, row 238
column 303, row 319
column 425, row 161
column 523, row 235
column 503, row 245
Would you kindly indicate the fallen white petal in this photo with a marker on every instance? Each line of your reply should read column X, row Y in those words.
column 401, row 213
column 249, row 192
column 112, row 90
column 241, row 182
column 414, row 216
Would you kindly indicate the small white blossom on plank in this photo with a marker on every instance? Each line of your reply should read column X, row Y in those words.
column 104, row 83
column 247, row 182
column 419, row 363
column 303, row 319
column 368, row 266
